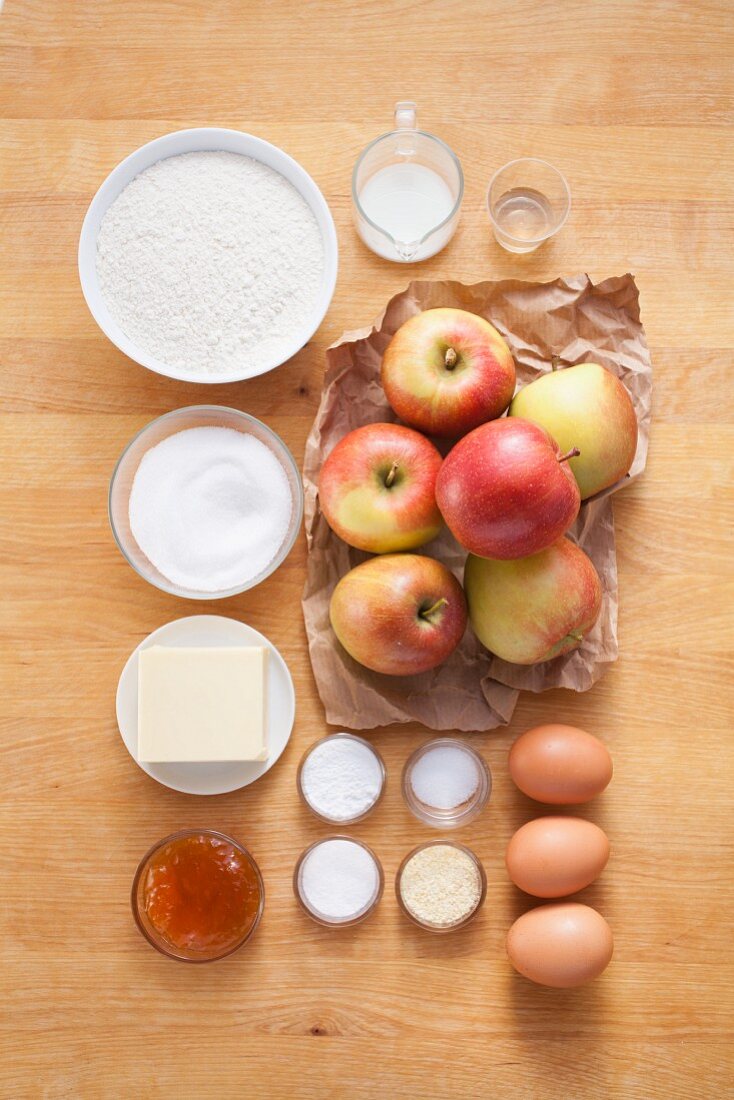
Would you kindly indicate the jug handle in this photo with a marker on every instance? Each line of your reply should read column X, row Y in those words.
column 406, row 125
column 405, row 115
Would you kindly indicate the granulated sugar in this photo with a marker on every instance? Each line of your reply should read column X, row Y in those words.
column 445, row 777
column 341, row 778
column 338, row 880
column 210, row 507
column 210, row 261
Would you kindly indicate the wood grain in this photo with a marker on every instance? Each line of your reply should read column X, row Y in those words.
column 634, row 102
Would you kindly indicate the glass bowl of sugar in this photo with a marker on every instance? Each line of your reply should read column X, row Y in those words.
column 446, row 783
column 205, row 502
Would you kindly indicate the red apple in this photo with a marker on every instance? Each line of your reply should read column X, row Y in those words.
column 378, row 488
column 505, row 490
column 533, row 609
column 445, row 371
column 399, row 614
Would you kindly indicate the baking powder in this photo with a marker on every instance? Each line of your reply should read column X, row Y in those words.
column 341, row 778
column 210, row 261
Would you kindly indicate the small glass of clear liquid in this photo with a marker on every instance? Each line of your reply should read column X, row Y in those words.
column 528, row 202
column 407, row 188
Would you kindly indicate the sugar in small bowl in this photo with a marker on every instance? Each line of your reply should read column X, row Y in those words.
column 338, row 881
column 341, row 778
column 446, row 783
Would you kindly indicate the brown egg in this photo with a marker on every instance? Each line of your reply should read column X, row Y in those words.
column 562, row 945
column 560, row 765
column 554, row 856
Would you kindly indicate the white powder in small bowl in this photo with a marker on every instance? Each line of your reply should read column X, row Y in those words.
column 338, row 880
column 210, row 507
column 445, row 777
column 341, row 778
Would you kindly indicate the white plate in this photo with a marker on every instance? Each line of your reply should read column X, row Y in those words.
column 220, row 778
column 192, row 141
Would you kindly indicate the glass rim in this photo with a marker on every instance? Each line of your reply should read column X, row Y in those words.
column 323, row 920
column 392, row 133
column 288, row 542
column 566, row 188
column 168, row 950
column 343, row 734
column 440, row 929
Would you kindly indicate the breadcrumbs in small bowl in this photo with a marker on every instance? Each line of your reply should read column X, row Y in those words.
column 441, row 886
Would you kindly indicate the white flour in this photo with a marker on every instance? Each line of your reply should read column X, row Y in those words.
column 210, row 261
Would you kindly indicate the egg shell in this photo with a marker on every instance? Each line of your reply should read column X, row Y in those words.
column 560, row 765
column 562, row 945
column 550, row 857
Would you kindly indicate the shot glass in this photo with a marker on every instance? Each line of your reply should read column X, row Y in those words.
column 528, row 202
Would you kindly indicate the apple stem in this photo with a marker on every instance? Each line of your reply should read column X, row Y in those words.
column 573, row 453
column 555, row 362
column 450, row 359
column 428, row 611
column 391, row 475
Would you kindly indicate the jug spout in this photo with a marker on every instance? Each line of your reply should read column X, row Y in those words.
column 406, row 250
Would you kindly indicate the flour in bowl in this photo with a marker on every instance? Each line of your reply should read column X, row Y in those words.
column 211, row 262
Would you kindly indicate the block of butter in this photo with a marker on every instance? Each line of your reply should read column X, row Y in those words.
column 202, row 704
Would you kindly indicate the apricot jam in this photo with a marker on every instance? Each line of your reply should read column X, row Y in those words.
column 197, row 895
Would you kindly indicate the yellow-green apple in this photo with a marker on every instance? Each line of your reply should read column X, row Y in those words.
column 533, row 609
column 505, row 489
column 399, row 613
column 446, row 371
column 378, row 488
column 587, row 407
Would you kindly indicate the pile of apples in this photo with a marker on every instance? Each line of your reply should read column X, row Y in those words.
column 509, row 489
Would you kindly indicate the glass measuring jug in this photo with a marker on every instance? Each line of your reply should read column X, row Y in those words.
column 407, row 188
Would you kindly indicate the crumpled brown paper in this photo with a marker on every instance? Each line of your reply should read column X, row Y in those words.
column 570, row 318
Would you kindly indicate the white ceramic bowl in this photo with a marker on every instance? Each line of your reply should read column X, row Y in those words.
column 192, row 141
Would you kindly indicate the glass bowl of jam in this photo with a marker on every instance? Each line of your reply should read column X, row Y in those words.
column 197, row 895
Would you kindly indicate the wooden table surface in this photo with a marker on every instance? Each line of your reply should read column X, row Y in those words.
column 634, row 102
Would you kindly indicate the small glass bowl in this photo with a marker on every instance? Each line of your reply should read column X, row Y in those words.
column 539, row 186
column 195, row 416
column 340, row 820
column 439, row 928
column 457, row 815
column 138, row 905
column 314, row 914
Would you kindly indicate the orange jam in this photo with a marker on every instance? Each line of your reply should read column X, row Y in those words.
column 200, row 894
